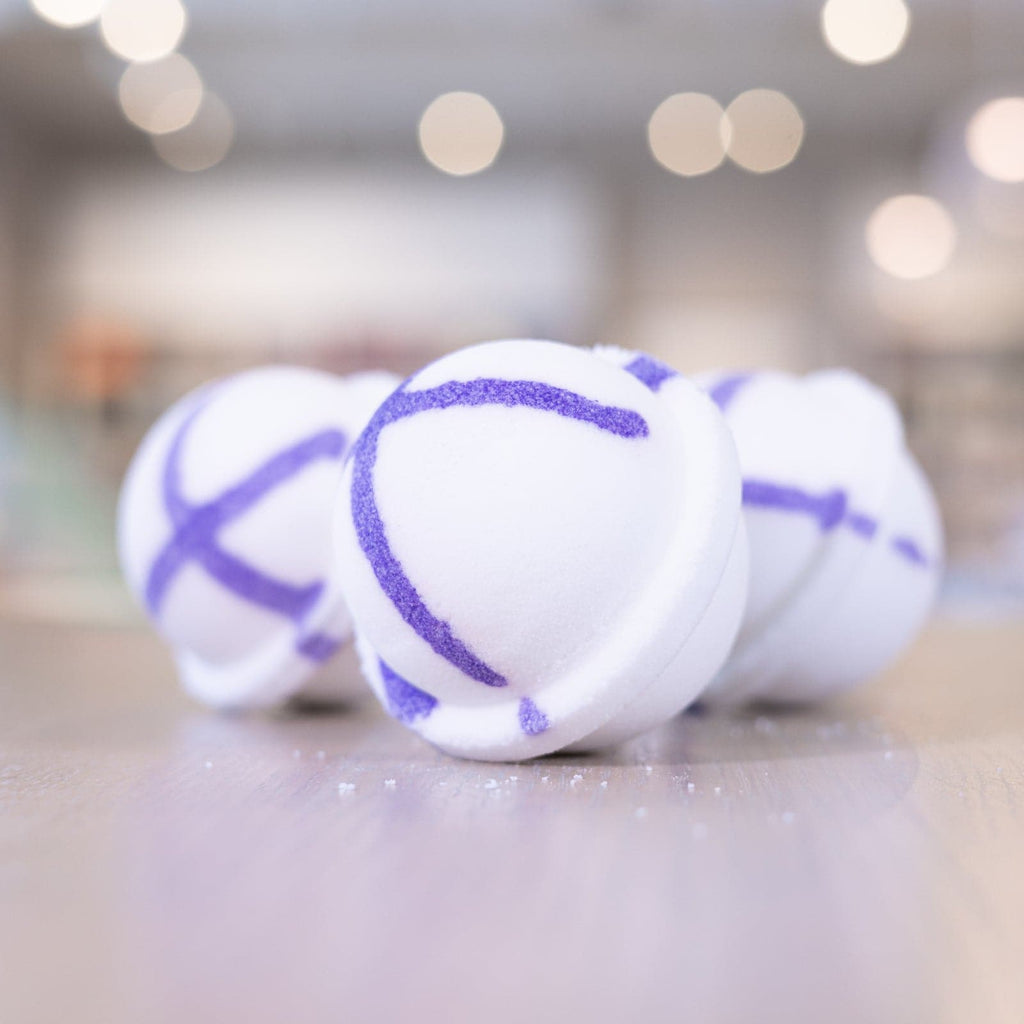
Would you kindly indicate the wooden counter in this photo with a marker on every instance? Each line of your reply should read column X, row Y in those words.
column 158, row 863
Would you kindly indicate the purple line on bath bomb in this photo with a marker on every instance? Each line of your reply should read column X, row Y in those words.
column 650, row 372
column 318, row 647
column 532, row 720
column 196, row 527
column 828, row 508
column 909, row 550
column 406, row 702
column 369, row 524
column 861, row 524
column 725, row 389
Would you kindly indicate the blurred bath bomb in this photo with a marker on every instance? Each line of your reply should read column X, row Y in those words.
column 539, row 550
column 224, row 528
column 845, row 538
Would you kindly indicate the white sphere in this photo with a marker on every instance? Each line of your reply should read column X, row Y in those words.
column 540, row 549
column 224, row 528
column 845, row 537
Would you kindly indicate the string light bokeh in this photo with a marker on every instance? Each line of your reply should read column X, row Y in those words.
column 161, row 96
column 911, row 236
column 838, row 181
column 687, row 135
column 461, row 133
column 141, row 30
column 865, row 31
column 995, row 139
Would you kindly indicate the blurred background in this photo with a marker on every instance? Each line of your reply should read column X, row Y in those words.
column 189, row 190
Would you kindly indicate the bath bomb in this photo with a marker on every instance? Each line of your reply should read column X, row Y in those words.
column 539, row 550
column 845, row 538
column 224, row 529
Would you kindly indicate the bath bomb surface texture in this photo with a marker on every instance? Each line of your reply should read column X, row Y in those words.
column 224, row 528
column 845, row 537
column 539, row 550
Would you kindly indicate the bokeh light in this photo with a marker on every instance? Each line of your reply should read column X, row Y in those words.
column 461, row 133
column 203, row 143
column 911, row 236
column 687, row 134
column 995, row 139
column 763, row 130
column 865, row 31
column 161, row 96
column 141, row 30
column 68, row 13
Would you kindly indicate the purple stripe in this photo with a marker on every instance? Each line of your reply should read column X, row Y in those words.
column 318, row 647
column 724, row 390
column 650, row 372
column 406, row 702
column 256, row 586
column 909, row 550
column 177, row 508
column 197, row 527
column 369, row 524
column 828, row 508
column 532, row 720
column 864, row 526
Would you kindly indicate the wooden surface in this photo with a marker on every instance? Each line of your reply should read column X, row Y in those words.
column 861, row 863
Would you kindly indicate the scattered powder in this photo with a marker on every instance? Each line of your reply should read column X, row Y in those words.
column 691, row 787
column 390, row 783
column 346, row 787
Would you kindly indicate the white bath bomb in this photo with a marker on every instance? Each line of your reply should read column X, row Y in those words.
column 539, row 549
column 224, row 528
column 845, row 538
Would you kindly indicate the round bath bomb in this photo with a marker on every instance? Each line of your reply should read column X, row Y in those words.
column 539, row 550
column 845, row 537
column 224, row 529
